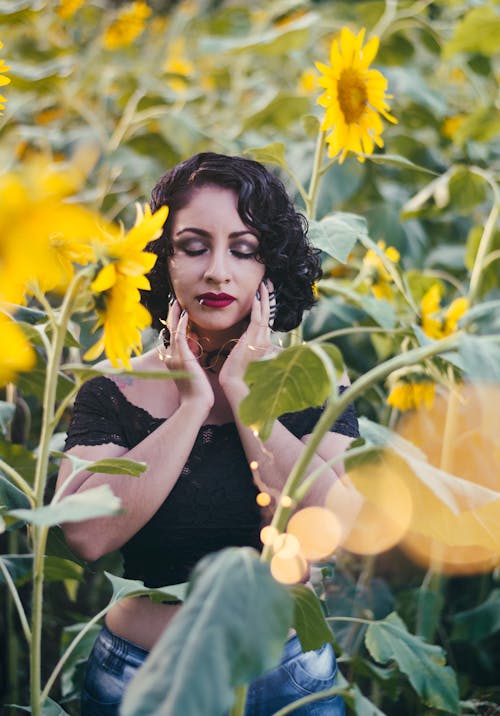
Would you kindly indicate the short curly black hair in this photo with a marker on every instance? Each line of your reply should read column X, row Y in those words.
column 292, row 264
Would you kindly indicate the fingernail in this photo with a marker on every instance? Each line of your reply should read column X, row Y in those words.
column 257, row 295
column 266, row 284
column 172, row 301
column 183, row 312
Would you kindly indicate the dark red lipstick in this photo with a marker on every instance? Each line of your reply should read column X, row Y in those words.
column 216, row 300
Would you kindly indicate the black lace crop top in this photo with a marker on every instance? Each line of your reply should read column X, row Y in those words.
column 213, row 502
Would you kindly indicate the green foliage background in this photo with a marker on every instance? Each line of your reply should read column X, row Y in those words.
column 425, row 194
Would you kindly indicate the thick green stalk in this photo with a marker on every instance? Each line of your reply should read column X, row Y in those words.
column 316, row 175
column 39, row 533
column 336, row 407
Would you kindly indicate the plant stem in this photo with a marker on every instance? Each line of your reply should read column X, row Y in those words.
column 17, row 601
column 70, row 649
column 336, row 407
column 18, row 480
column 316, row 174
column 482, row 252
column 238, row 708
column 40, row 533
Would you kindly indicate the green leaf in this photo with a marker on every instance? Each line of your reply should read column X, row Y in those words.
column 7, row 411
column 97, row 502
column 70, row 682
column 355, row 699
column 481, row 357
column 380, row 310
column 285, row 108
column 230, row 630
column 20, row 458
column 294, row 380
column 308, row 619
column 395, row 160
column 19, row 566
column 11, row 497
column 337, row 233
column 49, row 708
column 276, row 42
column 134, row 587
column 467, row 190
column 107, row 466
column 423, row 664
column 472, row 625
column 57, row 569
column 270, row 154
column 477, row 32
column 84, row 372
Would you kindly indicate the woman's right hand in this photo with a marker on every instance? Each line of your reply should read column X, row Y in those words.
column 179, row 356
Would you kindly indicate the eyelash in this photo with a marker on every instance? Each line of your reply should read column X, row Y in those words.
column 237, row 254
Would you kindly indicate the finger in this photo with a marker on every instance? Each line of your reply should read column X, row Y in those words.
column 173, row 317
column 272, row 301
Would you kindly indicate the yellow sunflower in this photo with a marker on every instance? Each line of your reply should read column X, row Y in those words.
column 123, row 268
column 355, row 96
column 377, row 274
column 438, row 322
column 17, row 355
column 41, row 235
column 3, row 80
column 127, row 26
column 410, row 393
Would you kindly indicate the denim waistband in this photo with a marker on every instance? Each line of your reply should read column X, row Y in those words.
column 121, row 648
column 135, row 654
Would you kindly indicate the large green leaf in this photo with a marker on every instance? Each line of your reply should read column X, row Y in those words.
column 423, row 664
column 230, row 630
column 472, row 625
column 337, row 233
column 134, row 587
column 308, row 619
column 97, row 502
column 294, row 380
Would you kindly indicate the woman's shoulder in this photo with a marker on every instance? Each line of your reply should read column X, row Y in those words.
column 154, row 394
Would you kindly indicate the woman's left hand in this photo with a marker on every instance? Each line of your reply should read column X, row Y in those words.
column 254, row 343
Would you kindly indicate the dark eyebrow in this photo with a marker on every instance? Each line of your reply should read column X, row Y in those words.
column 206, row 234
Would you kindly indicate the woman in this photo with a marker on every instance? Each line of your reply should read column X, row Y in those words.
column 233, row 260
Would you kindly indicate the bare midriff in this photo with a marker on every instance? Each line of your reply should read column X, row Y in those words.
column 140, row 621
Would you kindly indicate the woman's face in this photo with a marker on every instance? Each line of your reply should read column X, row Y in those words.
column 214, row 268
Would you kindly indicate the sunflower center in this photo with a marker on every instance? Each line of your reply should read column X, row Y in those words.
column 352, row 94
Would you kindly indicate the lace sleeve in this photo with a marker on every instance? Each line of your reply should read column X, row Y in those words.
column 303, row 422
column 95, row 419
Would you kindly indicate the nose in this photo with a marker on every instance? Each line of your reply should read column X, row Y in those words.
column 217, row 270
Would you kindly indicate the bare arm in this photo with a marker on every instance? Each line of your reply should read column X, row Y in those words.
column 166, row 450
column 280, row 452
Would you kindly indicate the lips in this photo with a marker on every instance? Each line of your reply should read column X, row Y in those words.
column 216, row 300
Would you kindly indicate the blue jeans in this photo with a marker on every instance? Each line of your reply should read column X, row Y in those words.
column 114, row 661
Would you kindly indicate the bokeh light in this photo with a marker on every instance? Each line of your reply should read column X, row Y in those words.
column 386, row 510
column 289, row 570
column 318, row 531
column 459, row 534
